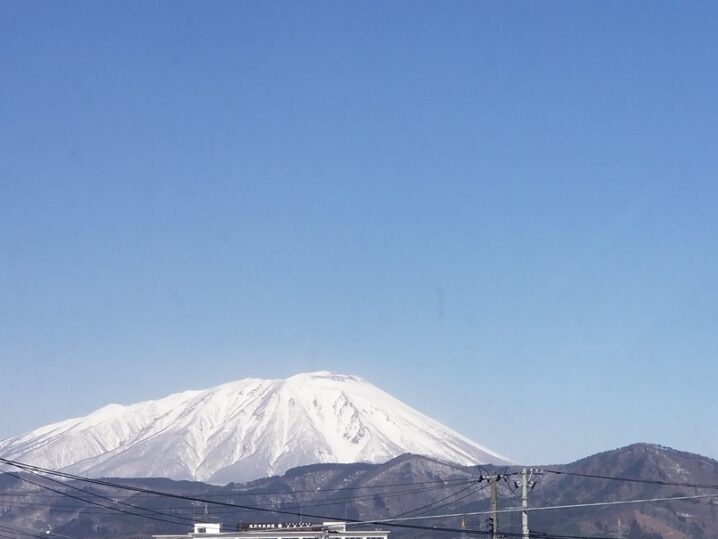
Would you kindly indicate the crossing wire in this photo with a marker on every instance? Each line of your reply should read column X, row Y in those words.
column 440, row 482
column 634, row 480
column 90, row 493
column 393, row 522
column 38, row 469
column 298, row 506
column 435, row 505
column 93, row 502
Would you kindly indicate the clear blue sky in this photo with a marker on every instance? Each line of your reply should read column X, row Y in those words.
column 504, row 214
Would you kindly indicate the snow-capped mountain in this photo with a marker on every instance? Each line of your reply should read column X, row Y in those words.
column 243, row 430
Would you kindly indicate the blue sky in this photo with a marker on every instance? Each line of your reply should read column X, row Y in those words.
column 503, row 214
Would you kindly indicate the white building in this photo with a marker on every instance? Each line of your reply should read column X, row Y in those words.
column 303, row 530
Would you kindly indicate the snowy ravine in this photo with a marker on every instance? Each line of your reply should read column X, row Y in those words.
column 243, row 430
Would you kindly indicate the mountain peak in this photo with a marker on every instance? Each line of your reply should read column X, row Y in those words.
column 325, row 375
column 243, row 430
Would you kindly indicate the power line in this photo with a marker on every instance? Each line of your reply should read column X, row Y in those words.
column 28, row 467
column 447, row 482
column 314, row 504
column 92, row 502
column 55, row 509
column 634, row 480
column 226, row 504
column 349, row 498
column 389, row 485
column 90, row 493
column 545, row 508
column 434, row 505
column 436, row 486
column 394, row 522
column 22, row 532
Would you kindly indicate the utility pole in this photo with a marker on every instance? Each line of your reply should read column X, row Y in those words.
column 493, row 520
column 524, row 504
column 494, row 502
column 527, row 482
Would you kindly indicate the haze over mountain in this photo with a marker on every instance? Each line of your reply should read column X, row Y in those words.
column 243, row 430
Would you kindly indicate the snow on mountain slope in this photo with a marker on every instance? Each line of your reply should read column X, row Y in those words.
column 244, row 430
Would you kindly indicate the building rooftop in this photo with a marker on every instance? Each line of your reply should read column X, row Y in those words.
column 279, row 530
